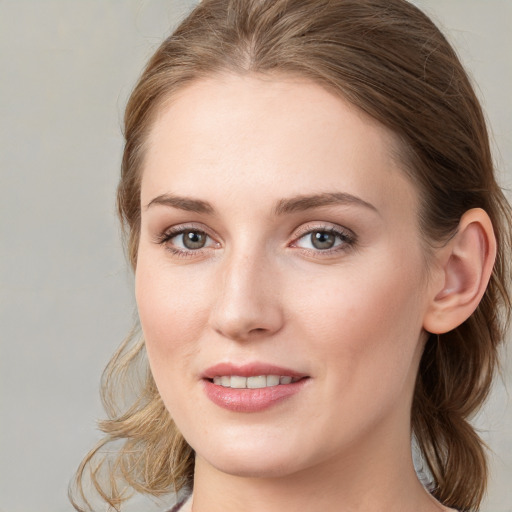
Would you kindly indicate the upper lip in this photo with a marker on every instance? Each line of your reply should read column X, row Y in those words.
column 249, row 370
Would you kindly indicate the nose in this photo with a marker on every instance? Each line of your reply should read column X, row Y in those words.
column 248, row 300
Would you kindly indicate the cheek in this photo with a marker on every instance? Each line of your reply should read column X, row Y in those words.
column 365, row 325
column 364, row 338
column 172, row 312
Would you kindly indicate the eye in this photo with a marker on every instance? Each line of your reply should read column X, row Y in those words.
column 325, row 239
column 184, row 241
column 191, row 239
column 322, row 239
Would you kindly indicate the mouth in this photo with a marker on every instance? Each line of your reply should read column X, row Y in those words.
column 251, row 375
column 252, row 387
column 254, row 382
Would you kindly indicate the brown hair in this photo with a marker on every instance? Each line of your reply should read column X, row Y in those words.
column 387, row 58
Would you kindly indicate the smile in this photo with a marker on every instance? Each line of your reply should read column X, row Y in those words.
column 255, row 382
column 251, row 387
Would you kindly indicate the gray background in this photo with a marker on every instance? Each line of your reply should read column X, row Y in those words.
column 66, row 69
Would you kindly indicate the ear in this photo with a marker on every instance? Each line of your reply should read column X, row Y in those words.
column 462, row 272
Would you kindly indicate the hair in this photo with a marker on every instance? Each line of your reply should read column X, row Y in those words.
column 387, row 58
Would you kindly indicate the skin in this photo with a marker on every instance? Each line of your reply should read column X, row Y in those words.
column 351, row 318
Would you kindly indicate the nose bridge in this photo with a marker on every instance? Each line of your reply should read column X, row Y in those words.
column 247, row 301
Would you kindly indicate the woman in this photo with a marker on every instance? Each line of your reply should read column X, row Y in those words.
column 322, row 262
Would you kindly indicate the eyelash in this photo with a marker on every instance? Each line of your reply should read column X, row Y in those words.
column 347, row 237
column 165, row 237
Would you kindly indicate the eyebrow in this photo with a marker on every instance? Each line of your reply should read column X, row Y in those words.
column 182, row 203
column 283, row 206
column 306, row 202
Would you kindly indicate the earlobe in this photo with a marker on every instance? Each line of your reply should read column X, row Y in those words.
column 464, row 269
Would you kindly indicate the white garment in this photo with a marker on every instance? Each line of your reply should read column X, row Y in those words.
column 187, row 506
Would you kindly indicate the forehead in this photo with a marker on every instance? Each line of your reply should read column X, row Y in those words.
column 278, row 135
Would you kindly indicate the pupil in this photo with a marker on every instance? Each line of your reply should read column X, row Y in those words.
column 193, row 240
column 322, row 240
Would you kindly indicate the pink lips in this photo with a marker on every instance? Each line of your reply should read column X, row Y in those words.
column 250, row 400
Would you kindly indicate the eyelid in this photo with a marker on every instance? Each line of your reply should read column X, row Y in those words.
column 347, row 237
column 323, row 226
column 170, row 232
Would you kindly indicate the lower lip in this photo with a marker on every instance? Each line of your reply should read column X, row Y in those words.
column 250, row 400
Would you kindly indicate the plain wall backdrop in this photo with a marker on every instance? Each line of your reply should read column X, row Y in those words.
column 66, row 69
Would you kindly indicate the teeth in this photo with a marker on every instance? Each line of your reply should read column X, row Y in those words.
column 256, row 382
column 274, row 380
column 238, row 382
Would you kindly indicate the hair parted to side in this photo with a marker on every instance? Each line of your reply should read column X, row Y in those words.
column 387, row 58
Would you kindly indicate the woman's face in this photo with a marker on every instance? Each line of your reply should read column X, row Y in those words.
column 281, row 281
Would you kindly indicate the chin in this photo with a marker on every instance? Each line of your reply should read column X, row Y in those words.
column 252, row 457
column 252, row 467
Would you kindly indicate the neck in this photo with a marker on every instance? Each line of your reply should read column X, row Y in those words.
column 375, row 476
